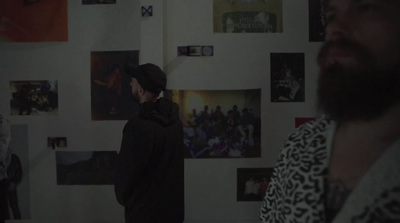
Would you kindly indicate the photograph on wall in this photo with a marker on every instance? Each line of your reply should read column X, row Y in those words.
column 220, row 123
column 298, row 121
column 111, row 93
column 252, row 183
column 194, row 51
column 56, row 142
column 92, row 2
column 239, row 16
column 18, row 174
column 316, row 20
column 34, row 97
column 20, row 21
column 287, row 77
column 86, row 167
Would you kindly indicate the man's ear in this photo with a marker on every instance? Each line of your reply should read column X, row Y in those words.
column 141, row 91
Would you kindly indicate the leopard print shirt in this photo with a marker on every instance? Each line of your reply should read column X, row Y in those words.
column 297, row 182
column 297, row 187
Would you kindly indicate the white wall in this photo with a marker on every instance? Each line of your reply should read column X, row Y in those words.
column 91, row 28
column 240, row 61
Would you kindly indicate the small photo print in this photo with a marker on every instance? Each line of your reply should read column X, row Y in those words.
column 93, row 2
column 207, row 51
column 194, row 50
column 252, row 183
column 56, row 142
column 34, row 97
column 317, row 20
column 86, row 167
column 182, row 50
column 287, row 77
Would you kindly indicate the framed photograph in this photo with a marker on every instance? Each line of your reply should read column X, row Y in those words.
column 252, row 183
column 220, row 123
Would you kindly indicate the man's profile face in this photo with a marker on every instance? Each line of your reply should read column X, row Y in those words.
column 359, row 62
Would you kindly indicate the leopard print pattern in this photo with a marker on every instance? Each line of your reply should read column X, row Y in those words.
column 297, row 182
column 386, row 208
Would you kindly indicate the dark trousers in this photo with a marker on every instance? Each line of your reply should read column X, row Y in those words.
column 3, row 201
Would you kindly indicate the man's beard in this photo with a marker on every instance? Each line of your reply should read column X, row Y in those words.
column 361, row 92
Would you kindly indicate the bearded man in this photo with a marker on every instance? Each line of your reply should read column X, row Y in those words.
column 344, row 166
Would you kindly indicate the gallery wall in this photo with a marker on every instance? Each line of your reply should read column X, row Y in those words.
column 241, row 61
column 111, row 27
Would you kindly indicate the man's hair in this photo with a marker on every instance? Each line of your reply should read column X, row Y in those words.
column 149, row 76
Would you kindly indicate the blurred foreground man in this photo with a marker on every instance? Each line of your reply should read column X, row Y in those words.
column 149, row 180
column 5, row 156
column 345, row 166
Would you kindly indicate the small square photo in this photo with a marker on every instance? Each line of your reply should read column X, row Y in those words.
column 207, row 50
column 194, row 50
column 182, row 51
column 56, row 142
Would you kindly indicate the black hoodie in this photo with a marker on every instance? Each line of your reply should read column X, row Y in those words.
column 149, row 179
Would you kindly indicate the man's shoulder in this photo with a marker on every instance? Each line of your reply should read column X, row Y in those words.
column 316, row 126
column 298, row 171
column 134, row 122
column 310, row 135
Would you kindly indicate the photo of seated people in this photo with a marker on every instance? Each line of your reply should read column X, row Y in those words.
column 226, row 125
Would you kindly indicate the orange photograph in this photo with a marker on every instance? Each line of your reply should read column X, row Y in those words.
column 33, row 20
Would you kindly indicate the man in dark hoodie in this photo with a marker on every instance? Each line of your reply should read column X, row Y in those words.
column 150, row 178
